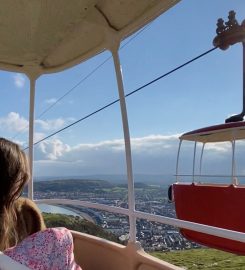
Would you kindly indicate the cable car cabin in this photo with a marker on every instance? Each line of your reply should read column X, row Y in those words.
column 218, row 205
column 43, row 37
column 51, row 36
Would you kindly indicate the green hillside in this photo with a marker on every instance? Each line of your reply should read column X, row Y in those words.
column 84, row 185
column 72, row 185
column 77, row 224
column 203, row 259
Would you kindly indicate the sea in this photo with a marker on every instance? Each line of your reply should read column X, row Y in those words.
column 46, row 208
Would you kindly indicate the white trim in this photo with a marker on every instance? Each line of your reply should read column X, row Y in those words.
column 131, row 196
column 177, row 163
column 201, row 158
column 233, row 170
column 194, row 161
column 31, row 133
column 210, row 175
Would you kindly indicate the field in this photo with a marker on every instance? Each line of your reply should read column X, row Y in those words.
column 203, row 259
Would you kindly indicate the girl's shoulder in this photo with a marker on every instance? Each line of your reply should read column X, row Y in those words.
column 49, row 248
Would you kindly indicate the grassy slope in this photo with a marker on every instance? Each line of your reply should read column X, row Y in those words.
column 77, row 224
column 203, row 259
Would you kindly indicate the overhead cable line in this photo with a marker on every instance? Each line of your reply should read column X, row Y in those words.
column 90, row 74
column 82, row 80
column 127, row 95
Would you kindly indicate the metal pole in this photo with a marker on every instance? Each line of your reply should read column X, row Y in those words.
column 177, row 163
column 233, row 171
column 33, row 73
column 200, row 166
column 131, row 196
column 243, row 109
column 194, row 161
column 31, row 134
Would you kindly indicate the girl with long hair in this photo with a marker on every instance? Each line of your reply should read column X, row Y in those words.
column 24, row 239
column 15, row 212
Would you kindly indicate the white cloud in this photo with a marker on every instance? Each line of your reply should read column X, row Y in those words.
column 107, row 156
column 153, row 154
column 39, row 136
column 52, row 124
column 51, row 101
column 52, row 149
column 21, row 143
column 150, row 144
column 14, row 122
column 154, row 143
column 19, row 80
column 221, row 147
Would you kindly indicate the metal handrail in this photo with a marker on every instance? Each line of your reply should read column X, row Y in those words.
column 210, row 175
column 211, row 230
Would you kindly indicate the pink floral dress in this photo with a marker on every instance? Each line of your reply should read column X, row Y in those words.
column 51, row 249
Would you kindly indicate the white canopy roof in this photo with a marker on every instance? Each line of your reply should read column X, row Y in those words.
column 217, row 133
column 55, row 34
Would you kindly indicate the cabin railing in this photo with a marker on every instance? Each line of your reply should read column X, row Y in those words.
column 220, row 232
column 209, row 175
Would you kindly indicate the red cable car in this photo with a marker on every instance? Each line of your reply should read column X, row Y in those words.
column 217, row 205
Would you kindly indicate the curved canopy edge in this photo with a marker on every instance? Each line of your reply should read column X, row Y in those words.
column 54, row 35
column 218, row 133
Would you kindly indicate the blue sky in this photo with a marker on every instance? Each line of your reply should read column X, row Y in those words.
column 201, row 94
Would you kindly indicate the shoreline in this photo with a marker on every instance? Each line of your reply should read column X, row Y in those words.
column 65, row 210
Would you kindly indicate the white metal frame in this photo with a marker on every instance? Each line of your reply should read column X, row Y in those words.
column 31, row 134
column 200, row 165
column 233, row 165
column 177, row 162
column 130, row 212
column 233, row 174
column 194, row 162
column 131, row 195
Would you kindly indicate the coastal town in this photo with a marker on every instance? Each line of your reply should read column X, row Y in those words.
column 149, row 198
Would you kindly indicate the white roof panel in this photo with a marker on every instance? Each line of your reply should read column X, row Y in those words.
column 55, row 34
column 217, row 133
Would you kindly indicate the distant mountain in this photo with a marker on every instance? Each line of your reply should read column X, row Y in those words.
column 72, row 185
column 85, row 185
column 136, row 185
column 117, row 179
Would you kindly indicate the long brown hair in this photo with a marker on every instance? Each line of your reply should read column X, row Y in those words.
column 14, row 173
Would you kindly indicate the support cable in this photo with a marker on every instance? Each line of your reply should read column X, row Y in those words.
column 127, row 95
column 81, row 81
